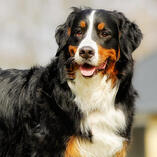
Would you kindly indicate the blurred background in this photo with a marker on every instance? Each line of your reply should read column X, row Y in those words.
column 27, row 29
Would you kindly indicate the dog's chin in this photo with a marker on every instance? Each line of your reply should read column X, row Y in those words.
column 88, row 70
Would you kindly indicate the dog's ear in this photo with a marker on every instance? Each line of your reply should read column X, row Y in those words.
column 63, row 31
column 130, row 35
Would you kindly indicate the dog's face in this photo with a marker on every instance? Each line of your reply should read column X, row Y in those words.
column 95, row 40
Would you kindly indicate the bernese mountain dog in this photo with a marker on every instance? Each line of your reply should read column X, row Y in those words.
column 82, row 103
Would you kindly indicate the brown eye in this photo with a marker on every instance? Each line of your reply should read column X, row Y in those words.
column 104, row 34
column 78, row 33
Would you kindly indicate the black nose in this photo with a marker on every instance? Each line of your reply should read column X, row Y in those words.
column 86, row 52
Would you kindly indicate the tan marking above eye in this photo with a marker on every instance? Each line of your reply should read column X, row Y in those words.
column 83, row 24
column 101, row 26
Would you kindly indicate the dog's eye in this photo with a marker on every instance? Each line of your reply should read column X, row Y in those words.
column 78, row 33
column 104, row 34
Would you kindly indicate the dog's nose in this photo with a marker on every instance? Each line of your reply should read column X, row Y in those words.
column 86, row 52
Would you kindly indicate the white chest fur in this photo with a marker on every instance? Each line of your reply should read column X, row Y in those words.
column 96, row 98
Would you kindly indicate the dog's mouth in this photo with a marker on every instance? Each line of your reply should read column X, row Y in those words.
column 88, row 70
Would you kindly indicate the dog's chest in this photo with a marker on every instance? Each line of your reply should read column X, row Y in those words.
column 96, row 98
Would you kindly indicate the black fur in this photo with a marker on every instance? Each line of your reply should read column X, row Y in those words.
column 37, row 109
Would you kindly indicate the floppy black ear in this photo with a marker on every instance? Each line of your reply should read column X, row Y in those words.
column 63, row 31
column 130, row 35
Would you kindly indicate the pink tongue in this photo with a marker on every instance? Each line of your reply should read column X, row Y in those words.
column 87, row 71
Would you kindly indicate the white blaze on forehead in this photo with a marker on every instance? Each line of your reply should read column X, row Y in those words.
column 88, row 41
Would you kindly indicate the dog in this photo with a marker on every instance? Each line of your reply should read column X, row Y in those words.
column 82, row 103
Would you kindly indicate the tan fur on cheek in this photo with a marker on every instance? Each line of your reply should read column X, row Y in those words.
column 72, row 50
column 72, row 67
column 72, row 148
column 111, row 57
column 106, row 53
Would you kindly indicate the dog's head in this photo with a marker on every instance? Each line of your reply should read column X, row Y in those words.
column 97, row 41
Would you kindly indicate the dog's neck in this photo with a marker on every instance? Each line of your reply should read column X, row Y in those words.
column 95, row 93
